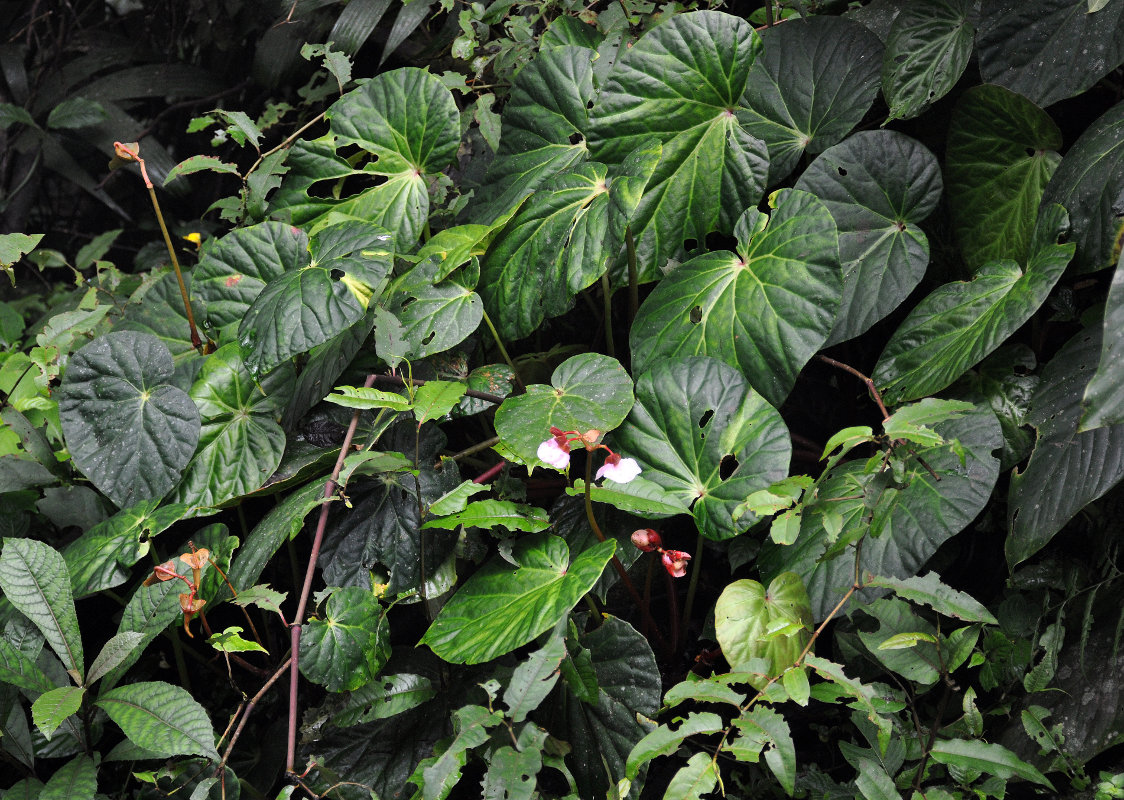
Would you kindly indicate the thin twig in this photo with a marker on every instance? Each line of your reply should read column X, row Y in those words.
column 248, row 710
column 874, row 393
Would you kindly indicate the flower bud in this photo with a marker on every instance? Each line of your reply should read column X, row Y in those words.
column 646, row 539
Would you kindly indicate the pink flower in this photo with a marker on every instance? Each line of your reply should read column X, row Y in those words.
column 555, row 450
column 618, row 469
column 646, row 539
column 675, row 562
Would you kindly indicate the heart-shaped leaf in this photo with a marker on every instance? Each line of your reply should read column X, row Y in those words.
column 811, row 86
column 128, row 431
column 766, row 311
column 1090, row 184
column 960, row 323
column 34, row 580
column 706, row 439
column 502, row 607
column 347, row 648
column 1067, row 469
column 312, row 304
column 920, row 517
column 436, row 315
column 161, row 718
column 1001, row 154
column 929, row 46
column 1020, row 46
column 240, row 443
column 746, row 614
column 407, row 123
column 588, row 391
column 681, row 83
column 878, row 186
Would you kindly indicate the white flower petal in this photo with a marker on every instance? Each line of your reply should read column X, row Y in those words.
column 552, row 454
column 622, row 472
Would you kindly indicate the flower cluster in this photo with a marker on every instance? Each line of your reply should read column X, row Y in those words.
column 674, row 561
column 556, row 452
column 189, row 603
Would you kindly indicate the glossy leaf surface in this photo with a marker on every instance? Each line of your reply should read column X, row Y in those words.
column 928, row 48
column 161, row 718
column 347, row 648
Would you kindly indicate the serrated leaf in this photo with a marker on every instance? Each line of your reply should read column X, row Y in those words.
column 494, row 514
column 534, row 679
column 1020, row 45
column 766, row 311
column 35, row 581
column 77, row 112
column 929, row 590
column 386, row 696
column 75, row 780
column 960, row 323
column 928, row 48
column 874, row 783
column 878, row 186
column 991, row 759
column 708, row 440
column 17, row 669
column 51, row 708
column 1089, row 183
column 347, row 648
column 586, row 391
column 691, row 782
column 436, row 777
column 781, row 757
column 190, row 166
column 681, row 83
column 813, row 83
column 261, row 596
column 1002, row 150
column 230, row 640
column 113, row 652
column 501, row 607
column 367, row 398
column 1067, row 469
column 434, row 399
column 128, row 430
column 456, row 499
column 162, row 718
column 642, row 497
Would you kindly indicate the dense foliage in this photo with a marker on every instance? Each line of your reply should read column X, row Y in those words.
column 562, row 401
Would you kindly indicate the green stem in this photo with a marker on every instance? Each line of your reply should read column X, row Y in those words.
column 503, row 352
column 633, row 276
column 607, row 302
column 692, row 587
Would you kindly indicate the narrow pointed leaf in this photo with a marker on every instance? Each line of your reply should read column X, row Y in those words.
column 929, row 590
column 113, row 652
column 991, row 759
column 162, row 718
column 52, row 708
column 534, row 679
column 494, row 514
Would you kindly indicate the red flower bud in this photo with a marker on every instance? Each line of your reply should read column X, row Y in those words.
column 675, row 562
column 646, row 539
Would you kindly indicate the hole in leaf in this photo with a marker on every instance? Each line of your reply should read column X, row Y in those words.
column 575, row 138
column 842, row 172
column 704, row 420
column 337, row 274
column 1031, row 152
column 409, row 301
column 589, row 104
column 429, row 338
column 899, row 59
column 334, row 188
column 690, row 244
column 727, row 467
column 696, row 315
column 1015, row 516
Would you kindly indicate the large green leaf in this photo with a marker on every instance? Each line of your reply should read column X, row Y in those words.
column 407, row 123
column 929, row 46
column 991, row 759
column 706, row 438
column 17, row 669
column 502, row 607
column 1090, row 184
column 602, row 733
column 102, row 556
column 1067, row 470
column 1048, row 50
column 75, row 780
column 960, row 323
column 158, row 309
column 920, row 517
column 161, row 718
column 240, row 442
column 681, row 83
column 234, row 269
column 562, row 240
column 128, row 431
column 745, row 620
column 149, row 611
column 813, row 84
column 879, row 186
column 1001, row 154
column 1104, row 396
column 587, row 391
column 308, row 306
column 323, row 366
column 543, row 130
column 767, row 310
column 34, row 579
column 436, row 315
column 347, row 648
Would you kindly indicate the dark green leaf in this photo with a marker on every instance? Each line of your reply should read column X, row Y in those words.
column 435, row 315
column 991, row 759
column 874, row 783
column 386, row 696
column 438, row 776
column 1001, row 154
column 162, row 718
column 929, row 45
column 705, row 438
column 1104, row 396
column 34, row 579
column 1048, row 50
column 502, row 607
column 128, row 430
column 878, row 186
column 75, row 780
column 17, row 669
column 811, row 86
column 349, row 646
column 52, row 708
column 534, row 679
column 766, row 311
column 76, row 112
column 494, row 514
column 150, row 610
column 113, row 652
column 960, row 323
column 929, row 590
